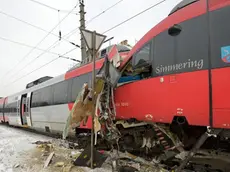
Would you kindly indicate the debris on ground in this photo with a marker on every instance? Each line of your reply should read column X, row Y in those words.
column 85, row 158
column 28, row 153
column 59, row 164
column 47, row 162
column 16, row 165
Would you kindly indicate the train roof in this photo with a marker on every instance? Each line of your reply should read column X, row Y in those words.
column 120, row 48
column 181, row 5
column 49, row 82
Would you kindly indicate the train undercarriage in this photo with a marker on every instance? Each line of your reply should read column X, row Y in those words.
column 176, row 145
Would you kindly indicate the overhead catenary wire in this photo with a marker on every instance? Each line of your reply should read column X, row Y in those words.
column 41, row 66
column 134, row 16
column 26, row 45
column 104, row 32
column 32, row 25
column 21, row 60
column 107, row 9
column 123, row 22
column 47, row 6
column 33, row 60
column 98, row 15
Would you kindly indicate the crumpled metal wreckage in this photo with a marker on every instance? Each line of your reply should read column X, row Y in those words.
column 106, row 80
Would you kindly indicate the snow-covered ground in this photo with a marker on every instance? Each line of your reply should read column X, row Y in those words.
column 18, row 154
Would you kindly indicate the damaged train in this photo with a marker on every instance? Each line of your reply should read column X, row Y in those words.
column 171, row 91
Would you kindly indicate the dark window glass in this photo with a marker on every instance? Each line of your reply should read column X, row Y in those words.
column 188, row 51
column 42, row 97
column 5, row 109
column 220, row 37
column 76, row 87
column 142, row 56
column 1, row 108
column 12, row 108
column 103, row 53
column 163, row 52
column 46, row 96
column 60, row 91
column 78, row 83
column 36, row 99
column 70, row 82
column 192, row 45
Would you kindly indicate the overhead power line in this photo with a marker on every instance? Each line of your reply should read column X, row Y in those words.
column 21, row 60
column 87, row 22
column 32, row 25
column 103, row 33
column 93, row 18
column 33, row 60
column 47, row 6
column 42, row 66
column 123, row 22
column 133, row 16
column 26, row 45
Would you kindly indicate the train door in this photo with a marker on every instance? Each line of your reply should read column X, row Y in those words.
column 24, row 109
column 19, row 119
column 27, row 110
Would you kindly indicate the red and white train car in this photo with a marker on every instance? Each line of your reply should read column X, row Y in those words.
column 46, row 106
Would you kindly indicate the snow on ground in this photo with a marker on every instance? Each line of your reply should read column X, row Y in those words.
column 18, row 154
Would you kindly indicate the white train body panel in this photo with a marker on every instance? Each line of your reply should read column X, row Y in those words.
column 16, row 119
column 31, row 107
column 53, row 117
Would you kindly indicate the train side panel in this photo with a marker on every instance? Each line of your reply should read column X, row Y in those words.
column 179, row 84
column 220, row 60
column 50, row 118
column 160, row 99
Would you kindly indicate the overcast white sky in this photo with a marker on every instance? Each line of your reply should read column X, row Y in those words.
column 11, row 54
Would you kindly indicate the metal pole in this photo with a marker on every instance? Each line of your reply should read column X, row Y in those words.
column 93, row 96
column 82, row 26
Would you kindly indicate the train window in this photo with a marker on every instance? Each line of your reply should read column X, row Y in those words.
column 1, row 108
column 46, row 96
column 142, row 57
column 13, row 107
column 103, row 53
column 60, row 93
column 76, row 87
column 163, row 54
column 191, row 45
column 36, row 97
column 78, row 83
column 70, row 83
